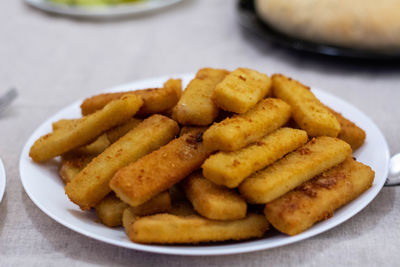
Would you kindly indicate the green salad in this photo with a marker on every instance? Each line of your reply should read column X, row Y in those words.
column 93, row 2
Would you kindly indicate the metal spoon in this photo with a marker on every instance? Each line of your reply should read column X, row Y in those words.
column 7, row 98
column 394, row 171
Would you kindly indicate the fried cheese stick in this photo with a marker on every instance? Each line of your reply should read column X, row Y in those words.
column 213, row 201
column 231, row 168
column 85, row 129
column 170, row 229
column 241, row 90
column 318, row 198
column 308, row 112
column 159, row 170
column 111, row 208
column 155, row 100
column 196, row 107
column 234, row 133
column 70, row 167
column 297, row 167
column 349, row 131
column 92, row 183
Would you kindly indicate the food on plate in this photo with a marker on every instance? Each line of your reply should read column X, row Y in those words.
column 362, row 24
column 196, row 107
column 318, row 155
column 63, row 123
column 174, row 169
column 213, row 201
column 241, row 90
column 111, row 208
column 317, row 199
column 169, row 229
column 91, row 184
column 85, row 129
column 308, row 112
column 240, row 130
column 94, row 2
column 159, row 203
column 349, row 131
column 231, row 168
column 71, row 166
column 159, row 170
column 155, row 100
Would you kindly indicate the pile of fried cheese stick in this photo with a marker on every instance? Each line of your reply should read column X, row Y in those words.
column 231, row 156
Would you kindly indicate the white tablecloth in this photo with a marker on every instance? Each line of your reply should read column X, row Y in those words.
column 55, row 60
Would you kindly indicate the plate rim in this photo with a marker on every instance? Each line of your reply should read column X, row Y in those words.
column 101, row 11
column 3, row 180
column 193, row 250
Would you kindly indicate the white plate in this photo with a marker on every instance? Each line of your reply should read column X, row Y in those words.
column 45, row 188
column 2, row 180
column 102, row 11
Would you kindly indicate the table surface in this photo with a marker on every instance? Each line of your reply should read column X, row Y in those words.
column 55, row 60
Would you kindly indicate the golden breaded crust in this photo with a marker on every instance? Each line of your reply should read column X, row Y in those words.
column 158, row 171
column 110, row 210
column 241, row 90
column 231, row 168
column 63, row 123
column 86, row 129
column 234, row 133
column 170, row 229
column 159, row 203
column 128, row 218
column 117, row 132
column 308, row 112
column 297, row 167
column 91, row 184
column 196, row 107
column 71, row 166
column 213, row 201
column 349, row 131
column 317, row 199
column 155, row 100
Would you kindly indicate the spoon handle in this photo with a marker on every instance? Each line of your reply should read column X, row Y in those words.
column 394, row 171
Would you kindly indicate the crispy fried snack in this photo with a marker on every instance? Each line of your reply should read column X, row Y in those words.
column 308, row 112
column 106, row 139
column 85, row 129
column 155, row 100
column 110, row 210
column 72, row 166
column 159, row 203
column 231, row 168
column 191, row 129
column 128, row 218
column 63, row 123
column 241, row 90
column 158, row 171
column 234, row 133
column 349, row 131
column 213, row 201
column 297, row 167
column 91, row 184
column 169, row 229
column 317, row 199
column 196, row 107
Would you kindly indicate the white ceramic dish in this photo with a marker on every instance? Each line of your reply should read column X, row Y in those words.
column 45, row 188
column 102, row 11
column 2, row 180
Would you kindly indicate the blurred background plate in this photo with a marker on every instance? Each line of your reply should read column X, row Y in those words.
column 250, row 21
column 2, row 180
column 102, row 11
